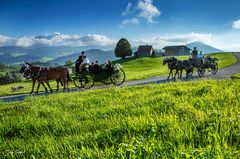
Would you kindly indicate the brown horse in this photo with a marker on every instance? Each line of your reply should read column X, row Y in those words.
column 59, row 74
column 32, row 72
column 38, row 73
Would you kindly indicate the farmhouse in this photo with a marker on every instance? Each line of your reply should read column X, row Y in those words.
column 176, row 50
column 146, row 51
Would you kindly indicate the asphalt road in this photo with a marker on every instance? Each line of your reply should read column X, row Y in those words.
column 224, row 73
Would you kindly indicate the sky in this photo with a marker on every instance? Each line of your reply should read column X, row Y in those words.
column 101, row 23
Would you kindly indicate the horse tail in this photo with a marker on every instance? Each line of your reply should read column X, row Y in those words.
column 68, row 76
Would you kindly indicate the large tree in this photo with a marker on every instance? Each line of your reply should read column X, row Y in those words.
column 123, row 48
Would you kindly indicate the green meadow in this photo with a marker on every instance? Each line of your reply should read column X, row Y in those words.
column 198, row 119
column 141, row 68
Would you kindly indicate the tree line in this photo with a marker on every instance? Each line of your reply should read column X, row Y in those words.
column 9, row 78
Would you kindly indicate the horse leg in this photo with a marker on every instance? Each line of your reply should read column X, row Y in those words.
column 169, row 74
column 44, row 87
column 67, row 86
column 186, row 72
column 38, row 86
column 49, row 86
column 175, row 74
column 64, row 85
column 34, row 81
column 57, row 85
column 181, row 73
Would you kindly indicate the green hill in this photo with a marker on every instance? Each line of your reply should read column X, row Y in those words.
column 141, row 68
column 197, row 119
column 134, row 68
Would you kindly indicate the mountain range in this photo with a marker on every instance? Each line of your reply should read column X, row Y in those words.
column 206, row 49
column 60, row 54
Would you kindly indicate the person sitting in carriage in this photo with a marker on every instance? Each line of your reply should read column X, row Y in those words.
column 201, row 56
column 194, row 53
column 95, row 67
column 79, row 62
column 108, row 67
column 85, row 62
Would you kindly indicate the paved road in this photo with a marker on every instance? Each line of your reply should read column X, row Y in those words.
column 226, row 72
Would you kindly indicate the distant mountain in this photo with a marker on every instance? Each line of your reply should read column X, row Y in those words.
column 93, row 55
column 203, row 47
column 15, row 54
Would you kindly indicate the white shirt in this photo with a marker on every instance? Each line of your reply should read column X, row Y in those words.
column 86, row 61
column 200, row 55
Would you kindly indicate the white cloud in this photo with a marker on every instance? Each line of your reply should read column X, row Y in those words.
column 180, row 38
column 148, row 10
column 25, row 42
column 177, row 39
column 4, row 40
column 144, row 11
column 96, row 40
column 57, row 39
column 129, row 21
column 127, row 10
column 236, row 24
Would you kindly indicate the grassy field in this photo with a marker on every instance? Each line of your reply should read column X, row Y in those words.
column 6, row 89
column 197, row 119
column 148, row 67
column 236, row 76
column 5, row 69
column 134, row 68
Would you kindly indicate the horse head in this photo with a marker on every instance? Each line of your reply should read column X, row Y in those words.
column 26, row 70
column 165, row 60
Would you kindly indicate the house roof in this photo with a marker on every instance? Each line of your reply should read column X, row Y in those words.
column 144, row 48
column 175, row 47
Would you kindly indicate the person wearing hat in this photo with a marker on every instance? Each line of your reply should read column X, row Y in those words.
column 194, row 53
column 79, row 61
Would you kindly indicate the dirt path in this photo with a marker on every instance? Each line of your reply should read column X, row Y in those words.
column 226, row 72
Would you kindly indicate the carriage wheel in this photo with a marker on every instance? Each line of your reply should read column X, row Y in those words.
column 201, row 71
column 118, row 77
column 87, row 81
column 214, row 68
column 77, row 81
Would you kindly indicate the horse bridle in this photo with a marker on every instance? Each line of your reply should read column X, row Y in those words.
column 26, row 69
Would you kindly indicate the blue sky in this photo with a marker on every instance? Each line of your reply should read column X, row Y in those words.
column 158, row 22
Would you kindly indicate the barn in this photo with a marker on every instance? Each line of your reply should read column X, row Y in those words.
column 178, row 50
column 146, row 51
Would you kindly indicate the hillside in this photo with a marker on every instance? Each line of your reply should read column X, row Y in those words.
column 203, row 47
column 15, row 54
column 92, row 54
column 141, row 68
column 135, row 69
column 174, row 120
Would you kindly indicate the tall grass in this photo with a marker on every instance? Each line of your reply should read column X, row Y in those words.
column 199, row 119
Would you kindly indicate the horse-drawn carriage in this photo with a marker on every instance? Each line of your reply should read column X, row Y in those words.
column 203, row 64
column 89, row 76
column 85, row 79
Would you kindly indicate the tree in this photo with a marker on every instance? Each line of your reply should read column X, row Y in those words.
column 68, row 63
column 123, row 48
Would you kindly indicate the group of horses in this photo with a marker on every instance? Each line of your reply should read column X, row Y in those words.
column 178, row 65
column 44, row 75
